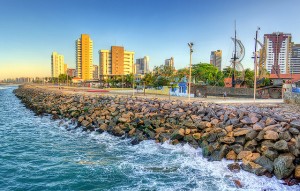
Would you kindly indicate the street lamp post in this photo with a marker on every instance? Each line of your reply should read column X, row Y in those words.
column 255, row 64
column 190, row 44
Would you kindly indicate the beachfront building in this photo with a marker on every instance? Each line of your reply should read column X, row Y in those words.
column 170, row 62
column 278, row 48
column 84, row 57
column 95, row 72
column 71, row 72
column 115, row 62
column 295, row 59
column 57, row 65
column 216, row 58
column 142, row 65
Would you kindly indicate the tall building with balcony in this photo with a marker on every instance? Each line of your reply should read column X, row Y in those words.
column 57, row 65
column 278, row 47
column 142, row 65
column 295, row 59
column 216, row 59
column 170, row 62
column 116, row 61
column 84, row 57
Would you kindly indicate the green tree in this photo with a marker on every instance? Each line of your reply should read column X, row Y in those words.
column 249, row 78
column 148, row 79
column 63, row 78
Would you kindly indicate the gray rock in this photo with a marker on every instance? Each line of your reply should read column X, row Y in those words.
column 281, row 146
column 237, row 148
column 218, row 155
column 250, row 146
column 285, row 136
column 265, row 162
column 294, row 131
column 296, row 124
column 283, row 166
column 251, row 135
column 271, row 154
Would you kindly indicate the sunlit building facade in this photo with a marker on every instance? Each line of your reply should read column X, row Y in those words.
column 142, row 65
column 57, row 65
column 84, row 57
column 116, row 61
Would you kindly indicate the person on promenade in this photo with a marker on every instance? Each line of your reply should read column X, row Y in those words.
column 224, row 94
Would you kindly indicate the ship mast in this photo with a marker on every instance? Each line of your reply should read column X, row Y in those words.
column 234, row 56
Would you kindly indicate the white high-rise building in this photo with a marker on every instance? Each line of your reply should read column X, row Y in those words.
column 57, row 65
column 142, row 65
column 84, row 57
column 295, row 60
column 278, row 52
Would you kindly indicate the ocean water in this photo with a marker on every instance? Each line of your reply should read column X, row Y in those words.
column 36, row 153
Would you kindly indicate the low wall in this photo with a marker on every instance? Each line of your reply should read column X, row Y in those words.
column 163, row 91
column 291, row 97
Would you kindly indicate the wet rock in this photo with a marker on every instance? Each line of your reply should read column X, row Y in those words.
column 297, row 172
column 150, row 133
column 250, row 146
column 218, row 155
column 197, row 136
column 234, row 167
column 237, row 148
column 271, row 154
column 231, row 155
column 283, row 165
column 253, row 168
column 265, row 163
column 243, row 154
column 177, row 134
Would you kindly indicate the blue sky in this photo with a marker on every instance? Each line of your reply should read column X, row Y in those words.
column 30, row 30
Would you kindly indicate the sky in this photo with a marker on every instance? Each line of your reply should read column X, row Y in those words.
column 30, row 30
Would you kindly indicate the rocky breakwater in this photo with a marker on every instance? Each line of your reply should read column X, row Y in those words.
column 260, row 140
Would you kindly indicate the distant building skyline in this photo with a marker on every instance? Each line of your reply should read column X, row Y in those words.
column 170, row 62
column 71, row 72
column 57, row 65
column 142, row 65
column 84, row 57
column 216, row 59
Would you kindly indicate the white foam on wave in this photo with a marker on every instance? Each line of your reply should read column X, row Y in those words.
column 182, row 166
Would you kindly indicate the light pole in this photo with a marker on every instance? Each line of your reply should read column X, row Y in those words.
column 190, row 44
column 255, row 63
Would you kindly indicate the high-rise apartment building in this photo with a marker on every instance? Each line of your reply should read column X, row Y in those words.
column 84, row 57
column 295, row 59
column 216, row 59
column 65, row 68
column 57, row 65
column 95, row 72
column 278, row 47
column 142, row 65
column 116, row 61
column 169, row 62
column 71, row 72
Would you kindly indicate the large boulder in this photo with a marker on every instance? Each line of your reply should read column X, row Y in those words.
column 265, row 162
column 296, row 124
column 281, row 145
column 177, row 134
column 271, row 135
column 227, row 140
column 283, row 165
column 271, row 154
column 240, row 131
column 218, row 155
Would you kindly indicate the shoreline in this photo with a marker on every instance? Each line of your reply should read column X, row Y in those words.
column 265, row 139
